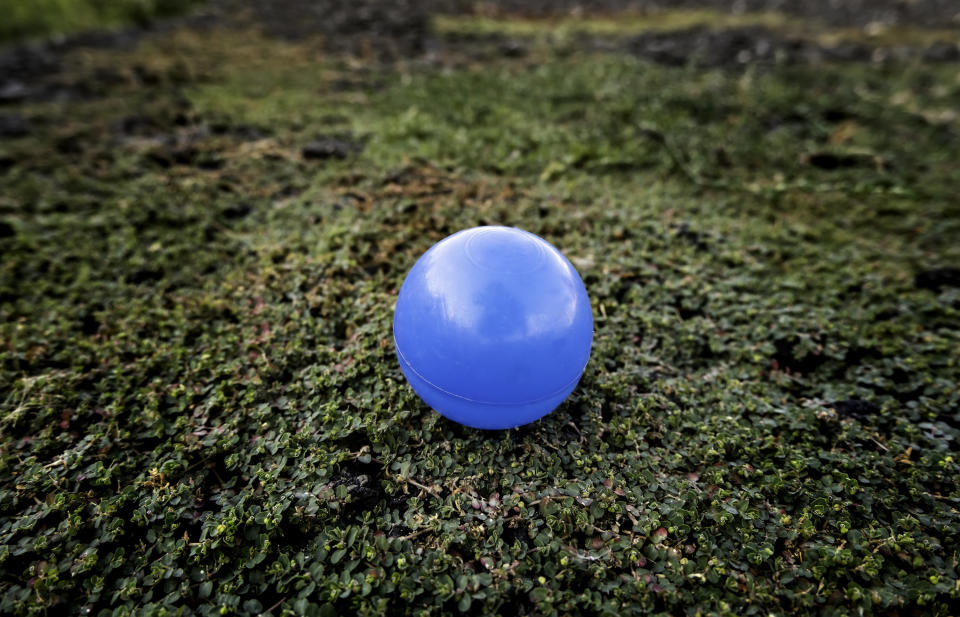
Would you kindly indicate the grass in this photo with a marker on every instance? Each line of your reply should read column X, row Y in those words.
column 202, row 407
column 41, row 18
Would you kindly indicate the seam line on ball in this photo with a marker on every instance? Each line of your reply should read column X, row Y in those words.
column 493, row 403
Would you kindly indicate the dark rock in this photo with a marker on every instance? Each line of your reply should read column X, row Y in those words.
column 184, row 154
column 361, row 482
column 941, row 51
column 836, row 114
column 707, row 47
column 331, row 147
column 354, row 85
column 391, row 28
column 937, row 278
column 100, row 39
column 208, row 162
column 144, row 275
column 13, row 125
column 146, row 76
column 513, row 49
column 220, row 128
column 243, row 132
column 237, row 211
column 160, row 158
column 398, row 501
column 714, row 48
column 13, row 91
column 138, row 125
column 22, row 62
column 70, row 144
column 830, row 161
column 848, row 52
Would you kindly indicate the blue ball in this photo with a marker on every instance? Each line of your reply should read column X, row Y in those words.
column 493, row 327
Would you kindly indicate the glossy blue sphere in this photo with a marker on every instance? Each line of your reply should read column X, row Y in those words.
column 493, row 327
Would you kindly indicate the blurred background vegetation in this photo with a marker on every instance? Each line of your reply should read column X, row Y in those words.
column 36, row 18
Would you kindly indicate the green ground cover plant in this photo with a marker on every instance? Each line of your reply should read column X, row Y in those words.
column 201, row 411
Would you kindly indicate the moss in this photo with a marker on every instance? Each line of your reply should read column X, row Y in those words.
column 202, row 406
column 601, row 24
column 559, row 30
